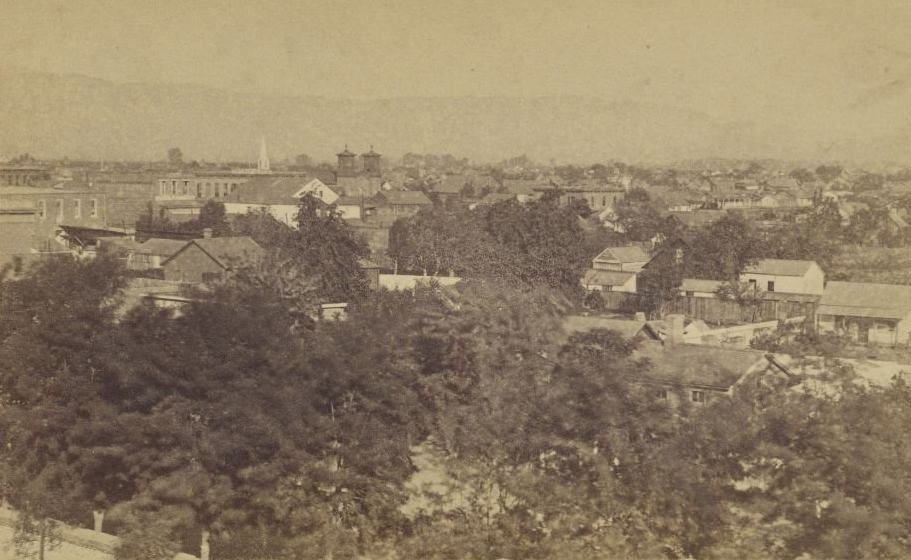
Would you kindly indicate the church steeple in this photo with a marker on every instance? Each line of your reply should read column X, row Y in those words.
column 263, row 164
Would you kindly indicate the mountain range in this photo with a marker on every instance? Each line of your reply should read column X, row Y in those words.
column 51, row 115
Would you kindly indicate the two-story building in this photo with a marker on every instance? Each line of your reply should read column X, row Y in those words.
column 75, row 206
column 615, row 269
column 278, row 195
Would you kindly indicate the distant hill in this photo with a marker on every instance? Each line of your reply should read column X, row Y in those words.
column 77, row 116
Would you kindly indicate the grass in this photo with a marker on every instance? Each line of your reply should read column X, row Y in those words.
column 872, row 264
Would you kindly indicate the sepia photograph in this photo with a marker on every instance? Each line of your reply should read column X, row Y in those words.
column 455, row 280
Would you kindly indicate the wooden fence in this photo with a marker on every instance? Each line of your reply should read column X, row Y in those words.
column 717, row 311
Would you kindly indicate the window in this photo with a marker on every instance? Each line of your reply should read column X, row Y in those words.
column 678, row 255
column 77, row 208
column 93, row 208
column 697, row 396
column 17, row 265
column 59, row 210
column 42, row 210
column 661, row 394
column 753, row 283
column 771, row 286
column 208, row 277
column 690, row 293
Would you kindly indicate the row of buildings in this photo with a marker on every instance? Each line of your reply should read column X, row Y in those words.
column 865, row 312
column 46, row 210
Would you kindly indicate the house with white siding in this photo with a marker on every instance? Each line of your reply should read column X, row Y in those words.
column 280, row 196
column 787, row 276
column 874, row 313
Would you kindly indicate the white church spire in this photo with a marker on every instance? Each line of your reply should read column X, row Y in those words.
column 263, row 164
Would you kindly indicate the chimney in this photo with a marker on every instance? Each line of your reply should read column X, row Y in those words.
column 207, row 233
column 674, row 334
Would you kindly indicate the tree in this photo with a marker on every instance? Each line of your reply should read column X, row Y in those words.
column 302, row 160
column 723, row 250
column 175, row 157
column 594, row 300
column 323, row 248
column 639, row 215
column 52, row 323
column 802, row 175
column 869, row 181
column 743, row 294
column 212, row 216
column 828, row 173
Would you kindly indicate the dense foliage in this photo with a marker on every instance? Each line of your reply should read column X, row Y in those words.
column 538, row 243
column 273, row 440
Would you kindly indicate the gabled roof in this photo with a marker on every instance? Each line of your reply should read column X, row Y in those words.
column 594, row 277
column 228, row 252
column 628, row 254
column 273, row 190
column 856, row 299
column 700, row 366
column 626, row 327
column 699, row 285
column 405, row 198
column 780, row 267
column 160, row 247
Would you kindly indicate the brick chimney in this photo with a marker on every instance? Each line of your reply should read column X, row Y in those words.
column 674, row 335
column 207, row 233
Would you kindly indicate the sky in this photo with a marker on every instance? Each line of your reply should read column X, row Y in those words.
column 816, row 66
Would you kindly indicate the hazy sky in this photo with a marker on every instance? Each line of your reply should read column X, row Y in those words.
column 816, row 66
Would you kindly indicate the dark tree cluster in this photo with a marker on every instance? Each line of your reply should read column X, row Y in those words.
column 539, row 243
column 226, row 430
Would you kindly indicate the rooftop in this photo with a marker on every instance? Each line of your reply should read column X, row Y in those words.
column 581, row 323
column 628, row 254
column 699, row 285
column 405, row 197
column 229, row 251
column 606, row 277
column 856, row 299
column 161, row 247
column 273, row 190
column 694, row 365
column 780, row 267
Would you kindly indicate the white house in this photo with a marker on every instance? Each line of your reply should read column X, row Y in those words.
column 621, row 259
column 609, row 281
column 787, row 276
column 280, row 196
column 876, row 313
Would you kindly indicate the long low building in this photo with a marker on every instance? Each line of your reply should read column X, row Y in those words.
column 876, row 313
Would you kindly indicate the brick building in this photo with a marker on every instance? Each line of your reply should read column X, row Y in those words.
column 54, row 208
column 211, row 259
